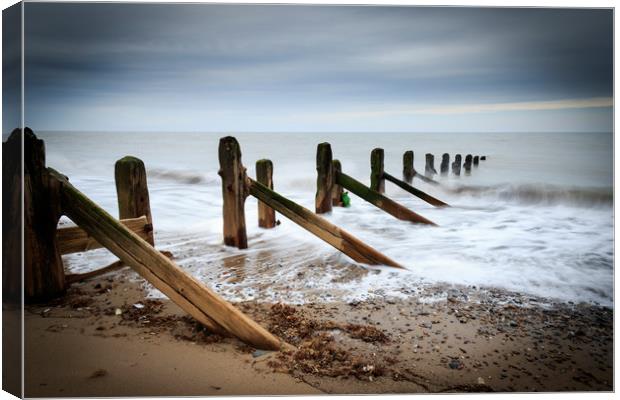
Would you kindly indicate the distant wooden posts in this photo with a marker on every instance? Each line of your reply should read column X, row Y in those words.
column 467, row 164
column 234, row 192
column 377, row 182
column 325, row 179
column 416, row 192
column 44, row 275
column 429, row 169
column 132, row 191
column 337, row 190
column 456, row 165
column 264, row 175
column 320, row 227
column 408, row 171
column 445, row 164
column 476, row 160
column 483, row 158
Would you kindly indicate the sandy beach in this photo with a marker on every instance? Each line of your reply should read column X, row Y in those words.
column 114, row 342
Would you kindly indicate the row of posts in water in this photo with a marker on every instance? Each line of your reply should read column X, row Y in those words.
column 430, row 170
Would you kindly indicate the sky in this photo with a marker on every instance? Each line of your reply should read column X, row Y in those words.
column 234, row 68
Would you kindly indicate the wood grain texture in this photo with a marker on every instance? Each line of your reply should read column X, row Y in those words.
column 75, row 239
column 132, row 191
column 234, row 192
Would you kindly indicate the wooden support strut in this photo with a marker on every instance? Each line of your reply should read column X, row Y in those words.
column 189, row 293
column 75, row 239
column 320, row 227
column 264, row 175
column 416, row 192
column 379, row 200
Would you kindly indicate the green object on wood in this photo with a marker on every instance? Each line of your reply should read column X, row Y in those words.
column 346, row 200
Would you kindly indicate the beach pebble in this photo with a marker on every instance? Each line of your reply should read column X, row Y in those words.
column 481, row 380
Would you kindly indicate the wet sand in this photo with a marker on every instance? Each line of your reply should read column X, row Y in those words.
column 105, row 339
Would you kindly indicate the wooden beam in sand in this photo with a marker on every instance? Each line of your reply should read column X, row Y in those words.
column 132, row 192
column 264, row 175
column 379, row 200
column 416, row 192
column 185, row 290
column 75, row 239
column 234, row 192
column 320, row 227
column 377, row 181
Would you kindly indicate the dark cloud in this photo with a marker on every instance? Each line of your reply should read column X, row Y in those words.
column 232, row 58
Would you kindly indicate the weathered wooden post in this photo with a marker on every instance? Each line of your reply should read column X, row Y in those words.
column 445, row 164
column 377, row 183
column 456, row 165
column 483, row 158
column 44, row 275
column 325, row 179
column 132, row 191
column 408, row 171
column 467, row 164
column 234, row 192
column 430, row 170
column 264, row 175
column 337, row 188
column 476, row 158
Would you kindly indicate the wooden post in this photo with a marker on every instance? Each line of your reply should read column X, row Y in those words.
column 467, row 164
column 379, row 200
column 445, row 164
column 483, row 158
column 416, row 192
column 408, row 171
column 183, row 289
column 476, row 159
column 320, row 227
column 325, row 179
column 44, row 275
column 132, row 191
column 430, row 170
column 234, row 192
column 377, row 183
column 336, row 189
column 456, row 165
column 12, row 221
column 264, row 175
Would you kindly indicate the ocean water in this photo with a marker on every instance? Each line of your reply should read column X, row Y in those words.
column 536, row 217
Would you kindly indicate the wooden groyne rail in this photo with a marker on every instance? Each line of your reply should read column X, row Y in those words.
column 330, row 180
column 236, row 186
column 48, row 195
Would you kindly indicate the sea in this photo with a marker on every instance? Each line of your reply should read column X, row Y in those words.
column 535, row 218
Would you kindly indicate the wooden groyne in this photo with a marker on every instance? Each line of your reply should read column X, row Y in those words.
column 236, row 186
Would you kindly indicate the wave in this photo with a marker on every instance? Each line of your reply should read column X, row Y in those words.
column 543, row 194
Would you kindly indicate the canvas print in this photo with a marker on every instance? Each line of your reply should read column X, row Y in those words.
column 268, row 199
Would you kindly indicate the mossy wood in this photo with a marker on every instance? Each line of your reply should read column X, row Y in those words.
column 379, row 200
column 132, row 191
column 324, row 179
column 416, row 192
column 234, row 192
column 264, row 175
column 336, row 188
column 377, row 182
column 75, row 239
column 408, row 171
column 320, row 227
column 44, row 275
column 189, row 293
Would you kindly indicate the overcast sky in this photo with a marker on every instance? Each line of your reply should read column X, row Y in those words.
column 180, row 67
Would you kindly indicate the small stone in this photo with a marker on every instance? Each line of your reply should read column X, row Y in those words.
column 481, row 380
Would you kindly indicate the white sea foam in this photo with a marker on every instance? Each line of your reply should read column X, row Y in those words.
column 536, row 217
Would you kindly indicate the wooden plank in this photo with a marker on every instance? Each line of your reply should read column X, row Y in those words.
column 75, row 239
column 379, row 200
column 185, row 290
column 416, row 192
column 320, row 227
